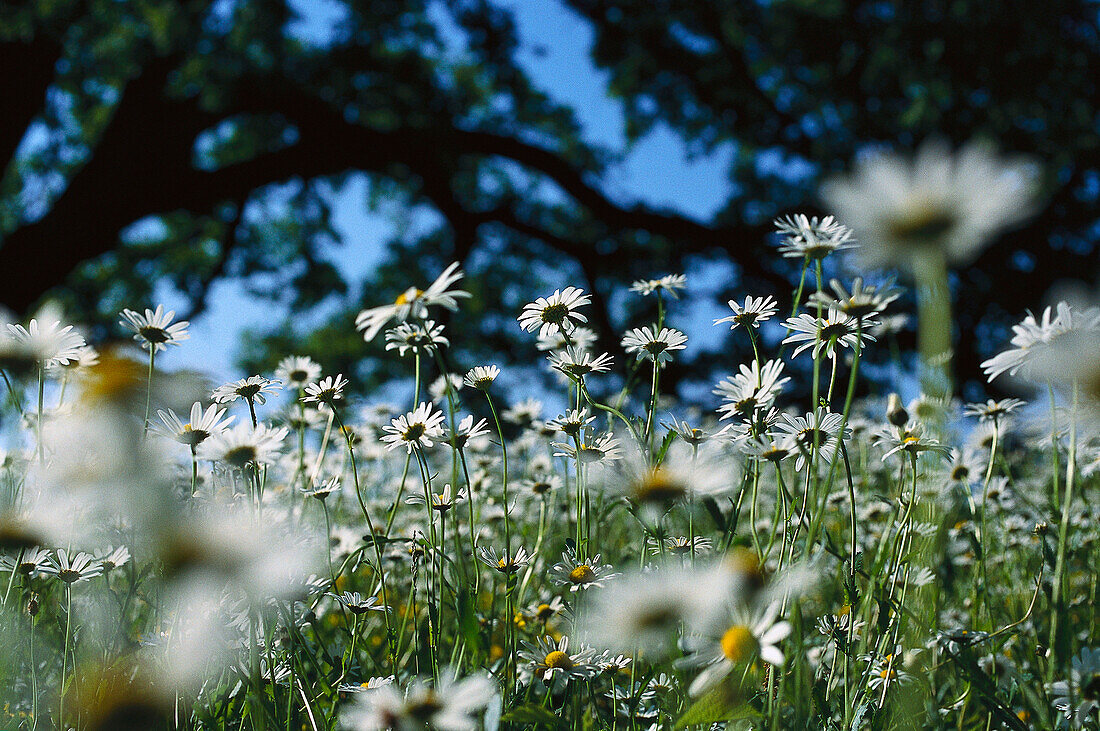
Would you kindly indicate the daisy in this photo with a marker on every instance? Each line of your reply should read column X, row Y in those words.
column 34, row 561
column 753, row 388
column 954, row 203
column 416, row 429
column 682, row 473
column 46, row 341
column 909, row 439
column 481, row 377
column 327, row 391
column 825, row 333
column 1082, row 688
column 1031, row 336
column 822, row 428
column 545, row 611
column 413, row 303
column 653, row 345
column 244, row 445
column 670, row 283
column 992, row 410
column 467, row 430
column 114, row 557
column 863, row 302
column 524, row 413
column 449, row 705
column 200, row 426
column 556, row 313
column 579, row 363
column 572, row 422
column 354, row 602
column 297, row 370
column 578, row 575
column 370, row 684
column 503, row 563
column 884, row 673
column 581, row 338
column 746, row 634
column 415, row 337
column 251, row 389
column 811, row 238
column 542, row 483
column 754, row 311
column 690, row 434
column 321, row 490
column 552, row 663
column 441, row 501
column 71, row 569
column 601, row 448
column 155, row 329
column 682, row 545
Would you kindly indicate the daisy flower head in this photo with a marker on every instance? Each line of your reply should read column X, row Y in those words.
column 413, row 303
column 954, row 203
column 557, row 313
column 45, row 340
column 552, row 662
column 579, row 363
column 441, row 502
column 355, row 603
column 466, row 430
column 861, row 303
column 910, row 440
column 581, row 338
column 812, row 238
column 594, row 449
column 652, row 345
column 251, row 389
column 993, row 410
column 72, row 569
column 752, row 388
column 297, row 371
column 573, row 422
column 503, row 563
column 689, row 434
column 416, row 429
column 1078, row 696
column 114, row 557
column 751, row 313
column 525, row 413
column 33, row 561
column 819, row 430
column 683, row 473
column 154, row 329
column 244, row 445
column 742, row 634
column 826, row 333
column 201, row 425
column 579, row 574
column 481, row 377
column 670, row 283
column 326, row 391
column 321, row 490
column 449, row 705
column 415, row 337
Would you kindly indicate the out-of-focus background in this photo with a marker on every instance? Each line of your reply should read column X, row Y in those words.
column 268, row 168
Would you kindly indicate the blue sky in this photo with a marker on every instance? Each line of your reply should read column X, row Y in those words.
column 555, row 50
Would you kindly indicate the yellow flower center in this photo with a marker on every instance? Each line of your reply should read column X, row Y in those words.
column 658, row 486
column 559, row 660
column 582, row 575
column 112, row 379
column 544, row 612
column 738, row 643
column 410, row 294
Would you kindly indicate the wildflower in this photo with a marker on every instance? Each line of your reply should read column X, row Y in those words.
column 35, row 560
column 370, row 684
column 670, row 283
column 200, row 426
column 46, row 341
column 114, row 557
column 328, row 391
column 681, row 545
column 524, row 413
column 884, row 673
column 572, row 422
column 910, row 440
column 354, row 602
column 155, row 329
column 415, row 337
column 653, row 345
column 553, row 664
column 466, row 430
column 442, row 501
column 581, row 338
column 691, row 435
column 545, row 611
column 542, row 483
column 820, row 430
column 1082, row 687
column 992, row 410
column 71, row 569
column 416, row 429
column 297, row 371
column 862, row 303
column 754, row 311
column 579, row 363
column 753, row 388
column 481, row 377
column 244, row 445
column 413, row 303
column 556, row 313
column 954, row 203
column 321, row 490
column 747, row 634
column 601, row 448
column 503, row 563
column 824, row 333
column 684, row 472
column 448, row 706
column 251, row 389
column 577, row 574
column 812, row 239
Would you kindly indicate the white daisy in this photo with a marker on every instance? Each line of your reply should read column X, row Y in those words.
column 251, row 389
column 503, row 563
column 154, row 329
column 670, row 283
column 825, row 333
column 71, row 569
column 416, row 429
column 556, row 313
column 811, row 238
column 244, row 445
column 753, row 388
column 449, row 705
column 327, row 391
column 46, row 341
column 481, row 377
column 822, row 428
column 653, row 345
column 413, row 303
column 466, row 430
column 200, row 426
column 581, row 338
column 863, row 302
column 297, row 370
column 415, row 337
column 754, row 311
column 747, row 633
column 577, row 574
column 552, row 663
column 579, row 363
column 600, row 448
column 1078, row 697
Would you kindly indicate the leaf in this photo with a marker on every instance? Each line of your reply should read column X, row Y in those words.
column 467, row 619
column 532, row 716
column 715, row 513
column 720, row 703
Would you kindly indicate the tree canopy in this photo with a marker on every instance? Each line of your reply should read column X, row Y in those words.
column 185, row 142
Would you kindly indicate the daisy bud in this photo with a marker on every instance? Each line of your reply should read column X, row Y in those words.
column 895, row 412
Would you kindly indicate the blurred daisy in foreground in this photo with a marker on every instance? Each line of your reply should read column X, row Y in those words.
column 955, row 203
column 413, row 303
column 743, row 635
column 449, row 705
column 1078, row 696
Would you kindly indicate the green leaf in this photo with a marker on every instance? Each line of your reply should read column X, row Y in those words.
column 532, row 716
column 720, row 703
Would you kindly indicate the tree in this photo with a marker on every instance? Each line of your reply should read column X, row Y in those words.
column 192, row 141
